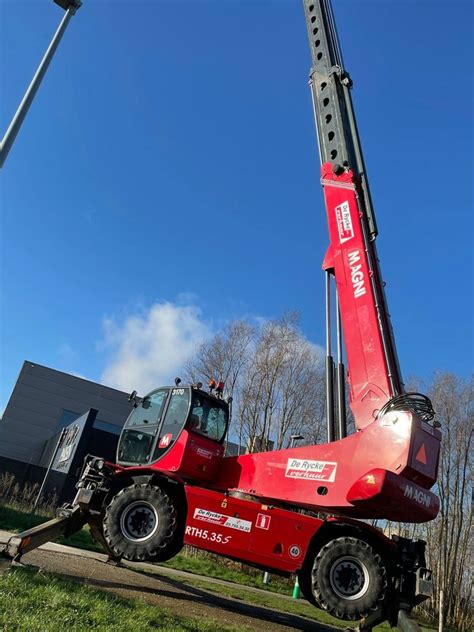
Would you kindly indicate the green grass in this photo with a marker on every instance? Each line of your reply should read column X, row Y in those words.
column 40, row 602
column 211, row 567
column 16, row 521
column 273, row 602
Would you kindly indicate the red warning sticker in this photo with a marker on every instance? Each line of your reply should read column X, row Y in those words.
column 263, row 521
column 421, row 455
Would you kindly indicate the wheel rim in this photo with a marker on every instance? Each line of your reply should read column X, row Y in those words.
column 349, row 578
column 139, row 521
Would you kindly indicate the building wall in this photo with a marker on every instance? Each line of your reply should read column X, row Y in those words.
column 37, row 406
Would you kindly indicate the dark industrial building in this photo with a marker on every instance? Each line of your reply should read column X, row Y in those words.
column 43, row 403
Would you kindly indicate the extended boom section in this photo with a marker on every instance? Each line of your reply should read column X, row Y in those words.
column 374, row 372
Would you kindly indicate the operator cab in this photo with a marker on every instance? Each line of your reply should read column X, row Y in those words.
column 157, row 422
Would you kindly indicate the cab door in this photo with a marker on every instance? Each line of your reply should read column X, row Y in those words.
column 206, row 426
column 139, row 434
column 173, row 422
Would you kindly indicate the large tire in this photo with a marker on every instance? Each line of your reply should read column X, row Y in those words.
column 348, row 578
column 140, row 524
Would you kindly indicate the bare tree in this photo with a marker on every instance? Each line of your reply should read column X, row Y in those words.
column 282, row 387
column 224, row 357
column 274, row 375
column 259, row 400
column 449, row 536
column 301, row 395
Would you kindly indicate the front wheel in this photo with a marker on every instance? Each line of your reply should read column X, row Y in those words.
column 140, row 524
column 348, row 578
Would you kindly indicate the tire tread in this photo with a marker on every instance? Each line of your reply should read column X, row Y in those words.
column 141, row 551
column 321, row 588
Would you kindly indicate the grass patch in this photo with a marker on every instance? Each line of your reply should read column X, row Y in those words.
column 299, row 607
column 15, row 520
column 272, row 601
column 40, row 602
column 219, row 569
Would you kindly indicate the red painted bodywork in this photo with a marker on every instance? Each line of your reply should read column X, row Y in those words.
column 374, row 473
column 307, row 477
column 254, row 532
column 386, row 468
column 346, row 257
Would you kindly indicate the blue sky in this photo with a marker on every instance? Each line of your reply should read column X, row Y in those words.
column 166, row 179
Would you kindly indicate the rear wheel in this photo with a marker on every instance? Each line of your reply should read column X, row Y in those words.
column 140, row 524
column 348, row 578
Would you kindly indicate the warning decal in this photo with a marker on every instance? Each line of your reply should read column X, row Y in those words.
column 311, row 470
column 205, row 453
column 421, row 455
column 263, row 521
column 225, row 521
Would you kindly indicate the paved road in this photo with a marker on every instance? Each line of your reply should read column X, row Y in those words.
column 165, row 588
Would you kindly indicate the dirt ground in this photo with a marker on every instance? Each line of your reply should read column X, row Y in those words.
column 170, row 593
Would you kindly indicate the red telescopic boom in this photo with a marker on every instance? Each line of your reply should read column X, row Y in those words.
column 351, row 259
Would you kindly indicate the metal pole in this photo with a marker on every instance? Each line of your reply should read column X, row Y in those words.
column 329, row 364
column 441, row 611
column 340, row 378
column 24, row 106
column 58, row 445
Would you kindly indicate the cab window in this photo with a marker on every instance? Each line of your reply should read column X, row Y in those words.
column 148, row 412
column 207, row 418
column 135, row 446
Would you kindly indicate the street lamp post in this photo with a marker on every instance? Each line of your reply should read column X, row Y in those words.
column 294, row 438
column 70, row 7
column 48, row 469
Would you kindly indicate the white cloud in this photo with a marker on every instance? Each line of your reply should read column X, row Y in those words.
column 148, row 349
